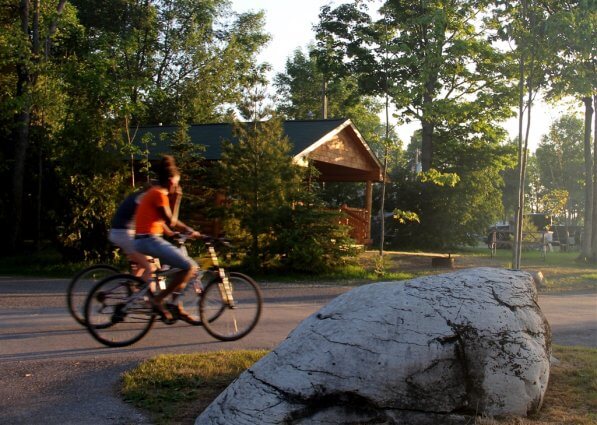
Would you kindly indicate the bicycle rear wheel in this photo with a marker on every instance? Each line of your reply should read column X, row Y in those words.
column 117, row 312
column 229, row 321
column 81, row 284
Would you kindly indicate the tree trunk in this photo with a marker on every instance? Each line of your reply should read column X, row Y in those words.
column 324, row 99
column 25, row 80
column 588, row 124
column 426, row 146
column 520, row 198
column 588, row 213
column 20, row 136
column 427, row 128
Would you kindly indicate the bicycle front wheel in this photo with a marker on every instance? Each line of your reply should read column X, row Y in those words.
column 230, row 313
column 81, row 285
column 117, row 312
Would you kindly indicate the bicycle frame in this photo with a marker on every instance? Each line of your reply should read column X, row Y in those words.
column 225, row 287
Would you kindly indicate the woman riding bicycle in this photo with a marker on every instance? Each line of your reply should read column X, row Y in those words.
column 158, row 207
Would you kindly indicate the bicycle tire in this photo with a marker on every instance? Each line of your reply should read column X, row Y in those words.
column 226, row 322
column 113, row 315
column 81, row 284
column 209, row 276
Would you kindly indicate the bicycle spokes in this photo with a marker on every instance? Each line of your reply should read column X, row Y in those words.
column 230, row 310
column 117, row 311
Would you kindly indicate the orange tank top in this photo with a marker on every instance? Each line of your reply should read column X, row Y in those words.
column 148, row 217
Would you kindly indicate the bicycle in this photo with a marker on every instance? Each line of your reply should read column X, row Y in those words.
column 83, row 282
column 118, row 311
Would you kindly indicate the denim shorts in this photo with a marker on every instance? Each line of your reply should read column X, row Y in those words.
column 157, row 247
column 123, row 239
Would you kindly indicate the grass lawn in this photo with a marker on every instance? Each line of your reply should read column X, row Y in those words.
column 562, row 271
column 174, row 389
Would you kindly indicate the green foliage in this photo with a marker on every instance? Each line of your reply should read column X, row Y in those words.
column 311, row 239
column 405, row 216
column 258, row 175
column 554, row 203
column 570, row 33
column 560, row 163
column 300, row 89
column 532, row 236
column 83, row 223
column 199, row 59
column 110, row 66
column 430, row 59
column 439, row 179
column 283, row 225
column 189, row 159
column 450, row 215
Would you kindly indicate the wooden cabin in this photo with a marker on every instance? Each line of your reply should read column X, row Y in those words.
column 334, row 146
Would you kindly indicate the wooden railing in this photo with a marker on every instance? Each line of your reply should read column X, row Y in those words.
column 358, row 220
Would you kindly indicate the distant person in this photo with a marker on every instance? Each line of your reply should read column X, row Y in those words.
column 548, row 240
column 122, row 233
column 158, row 208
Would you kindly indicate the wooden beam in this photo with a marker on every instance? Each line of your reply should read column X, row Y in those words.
column 369, row 205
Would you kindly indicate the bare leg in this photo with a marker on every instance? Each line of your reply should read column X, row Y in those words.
column 178, row 283
column 144, row 268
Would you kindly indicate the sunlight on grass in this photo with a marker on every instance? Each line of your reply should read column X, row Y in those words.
column 346, row 275
column 174, row 388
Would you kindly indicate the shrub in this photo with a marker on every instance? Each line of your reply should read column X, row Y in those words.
column 310, row 239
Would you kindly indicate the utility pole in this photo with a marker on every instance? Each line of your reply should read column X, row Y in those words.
column 324, row 99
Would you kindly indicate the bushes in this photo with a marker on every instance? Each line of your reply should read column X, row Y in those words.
column 304, row 239
column 309, row 239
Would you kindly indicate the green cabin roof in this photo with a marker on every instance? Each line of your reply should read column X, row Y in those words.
column 301, row 133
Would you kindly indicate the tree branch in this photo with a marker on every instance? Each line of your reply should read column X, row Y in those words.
column 54, row 26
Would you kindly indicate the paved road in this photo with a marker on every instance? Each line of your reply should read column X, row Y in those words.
column 53, row 372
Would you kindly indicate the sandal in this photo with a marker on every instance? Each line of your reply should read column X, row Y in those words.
column 163, row 312
column 181, row 313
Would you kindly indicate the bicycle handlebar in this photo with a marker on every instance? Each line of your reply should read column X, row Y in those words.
column 183, row 237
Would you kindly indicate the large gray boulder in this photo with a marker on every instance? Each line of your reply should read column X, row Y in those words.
column 432, row 350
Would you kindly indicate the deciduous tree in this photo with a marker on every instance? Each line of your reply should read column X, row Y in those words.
column 560, row 161
column 431, row 57
column 571, row 32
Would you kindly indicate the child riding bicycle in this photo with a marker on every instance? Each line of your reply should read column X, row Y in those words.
column 122, row 233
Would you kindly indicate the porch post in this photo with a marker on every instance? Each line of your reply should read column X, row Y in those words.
column 369, row 206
